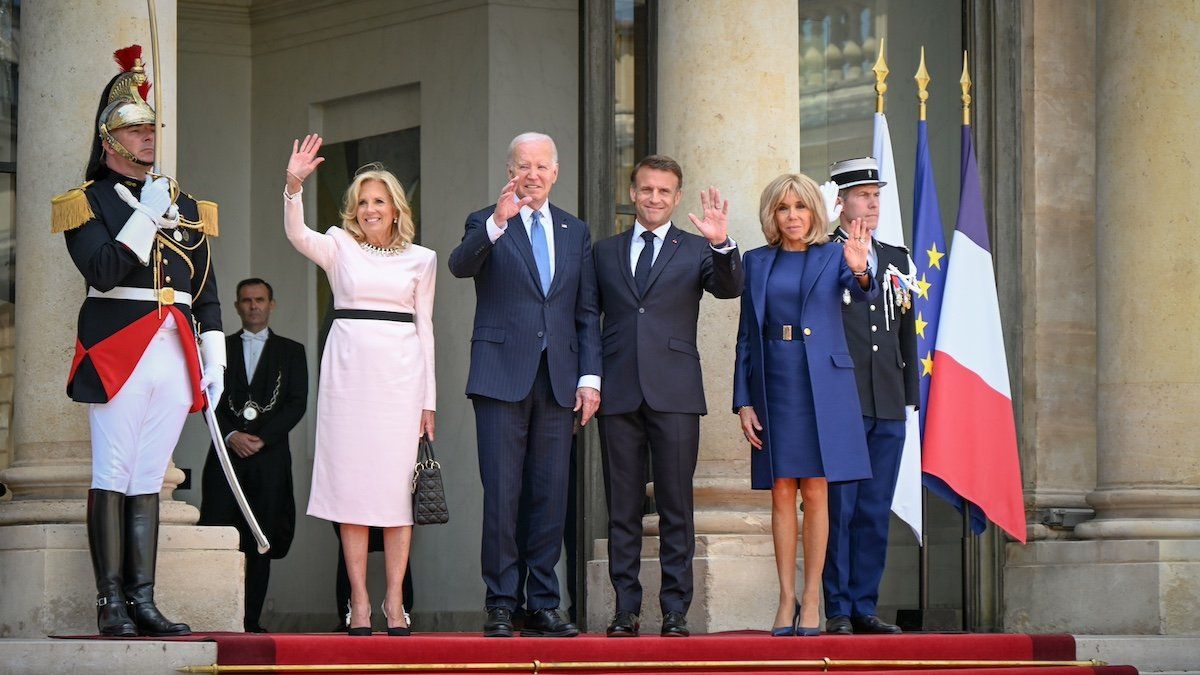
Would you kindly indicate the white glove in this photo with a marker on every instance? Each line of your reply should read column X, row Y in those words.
column 156, row 197
column 138, row 233
column 170, row 219
column 212, row 360
column 830, row 192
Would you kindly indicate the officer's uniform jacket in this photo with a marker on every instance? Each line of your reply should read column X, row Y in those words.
column 112, row 334
column 884, row 352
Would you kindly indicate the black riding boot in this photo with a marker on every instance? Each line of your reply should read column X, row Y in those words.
column 105, row 524
column 141, row 549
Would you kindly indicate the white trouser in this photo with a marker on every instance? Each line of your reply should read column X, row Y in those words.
column 134, row 434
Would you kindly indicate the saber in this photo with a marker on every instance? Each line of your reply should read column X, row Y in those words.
column 157, row 90
column 210, row 416
column 214, row 432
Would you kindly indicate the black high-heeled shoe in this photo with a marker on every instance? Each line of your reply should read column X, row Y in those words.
column 362, row 631
column 398, row 631
column 788, row 631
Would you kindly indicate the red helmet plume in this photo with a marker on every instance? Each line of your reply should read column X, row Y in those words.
column 127, row 59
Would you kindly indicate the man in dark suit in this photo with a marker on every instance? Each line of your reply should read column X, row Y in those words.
column 651, row 280
column 882, row 339
column 535, row 358
column 266, row 392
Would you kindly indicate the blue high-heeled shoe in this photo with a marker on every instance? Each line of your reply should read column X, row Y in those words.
column 805, row 631
column 788, row 631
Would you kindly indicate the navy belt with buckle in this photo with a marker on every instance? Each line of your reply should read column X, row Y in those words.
column 785, row 332
column 375, row 314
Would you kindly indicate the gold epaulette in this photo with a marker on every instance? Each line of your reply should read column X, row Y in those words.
column 208, row 217
column 70, row 210
column 207, row 213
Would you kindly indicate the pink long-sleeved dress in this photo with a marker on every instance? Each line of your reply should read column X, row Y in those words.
column 376, row 376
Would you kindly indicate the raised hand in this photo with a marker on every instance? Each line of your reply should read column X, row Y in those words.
column 716, row 216
column 857, row 245
column 829, row 191
column 508, row 205
column 304, row 160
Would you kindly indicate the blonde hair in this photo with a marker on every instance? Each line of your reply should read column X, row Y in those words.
column 808, row 193
column 403, row 230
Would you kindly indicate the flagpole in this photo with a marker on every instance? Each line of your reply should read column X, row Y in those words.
column 922, row 78
column 881, row 72
column 968, row 561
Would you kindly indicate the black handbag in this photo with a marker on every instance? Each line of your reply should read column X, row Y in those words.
column 429, row 496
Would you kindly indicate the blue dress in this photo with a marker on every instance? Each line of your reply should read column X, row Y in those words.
column 791, row 410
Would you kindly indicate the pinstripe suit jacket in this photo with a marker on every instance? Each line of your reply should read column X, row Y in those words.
column 512, row 315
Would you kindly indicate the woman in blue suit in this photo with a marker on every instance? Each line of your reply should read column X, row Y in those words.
column 794, row 387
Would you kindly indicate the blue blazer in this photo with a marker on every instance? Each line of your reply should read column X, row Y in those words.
column 835, row 394
column 513, row 316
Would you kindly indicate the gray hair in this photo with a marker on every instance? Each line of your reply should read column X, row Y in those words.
column 530, row 137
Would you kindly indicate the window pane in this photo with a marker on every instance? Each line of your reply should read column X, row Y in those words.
column 631, row 87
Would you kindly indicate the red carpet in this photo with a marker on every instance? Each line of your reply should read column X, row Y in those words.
column 461, row 648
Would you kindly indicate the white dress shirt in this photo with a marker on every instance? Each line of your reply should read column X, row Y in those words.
column 636, row 246
column 252, row 349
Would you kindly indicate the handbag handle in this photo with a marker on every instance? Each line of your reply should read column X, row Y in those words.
column 425, row 450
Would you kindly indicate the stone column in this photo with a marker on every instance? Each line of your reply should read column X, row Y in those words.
column 44, row 562
column 1058, row 330
column 1146, row 534
column 728, row 111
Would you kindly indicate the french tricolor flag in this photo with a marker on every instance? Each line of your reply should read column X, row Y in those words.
column 970, row 439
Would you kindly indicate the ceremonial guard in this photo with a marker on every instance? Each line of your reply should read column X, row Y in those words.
column 143, row 249
column 881, row 335
column 266, row 393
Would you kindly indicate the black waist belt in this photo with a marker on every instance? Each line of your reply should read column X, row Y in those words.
column 783, row 332
column 375, row 314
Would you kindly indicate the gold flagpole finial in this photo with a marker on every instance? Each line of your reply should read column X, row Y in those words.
column 965, row 82
column 922, row 78
column 881, row 72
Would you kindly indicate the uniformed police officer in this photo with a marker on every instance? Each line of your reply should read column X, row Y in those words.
column 882, row 338
column 143, row 250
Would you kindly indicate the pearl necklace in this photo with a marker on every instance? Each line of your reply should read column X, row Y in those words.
column 379, row 250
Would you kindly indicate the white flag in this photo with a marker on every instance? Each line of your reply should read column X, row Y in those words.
column 906, row 503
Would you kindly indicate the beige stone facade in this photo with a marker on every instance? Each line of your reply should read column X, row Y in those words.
column 1107, row 379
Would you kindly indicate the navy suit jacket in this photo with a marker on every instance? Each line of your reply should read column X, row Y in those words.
column 650, row 341
column 513, row 316
column 830, row 367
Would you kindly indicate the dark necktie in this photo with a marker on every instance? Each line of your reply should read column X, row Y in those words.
column 641, row 273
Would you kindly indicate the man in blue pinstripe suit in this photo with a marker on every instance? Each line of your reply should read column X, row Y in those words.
column 535, row 361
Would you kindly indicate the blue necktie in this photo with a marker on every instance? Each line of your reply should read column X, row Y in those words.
column 541, row 252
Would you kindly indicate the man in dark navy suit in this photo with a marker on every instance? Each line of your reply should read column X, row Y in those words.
column 882, row 339
column 651, row 280
column 535, row 361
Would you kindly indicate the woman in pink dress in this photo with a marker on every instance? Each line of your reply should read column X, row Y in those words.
column 376, row 393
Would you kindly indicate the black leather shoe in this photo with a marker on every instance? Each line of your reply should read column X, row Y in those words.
column 624, row 624
column 499, row 623
column 675, row 625
column 254, row 628
column 874, row 625
column 547, row 623
column 839, row 625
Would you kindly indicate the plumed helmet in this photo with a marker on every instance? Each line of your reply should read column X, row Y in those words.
column 123, row 104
